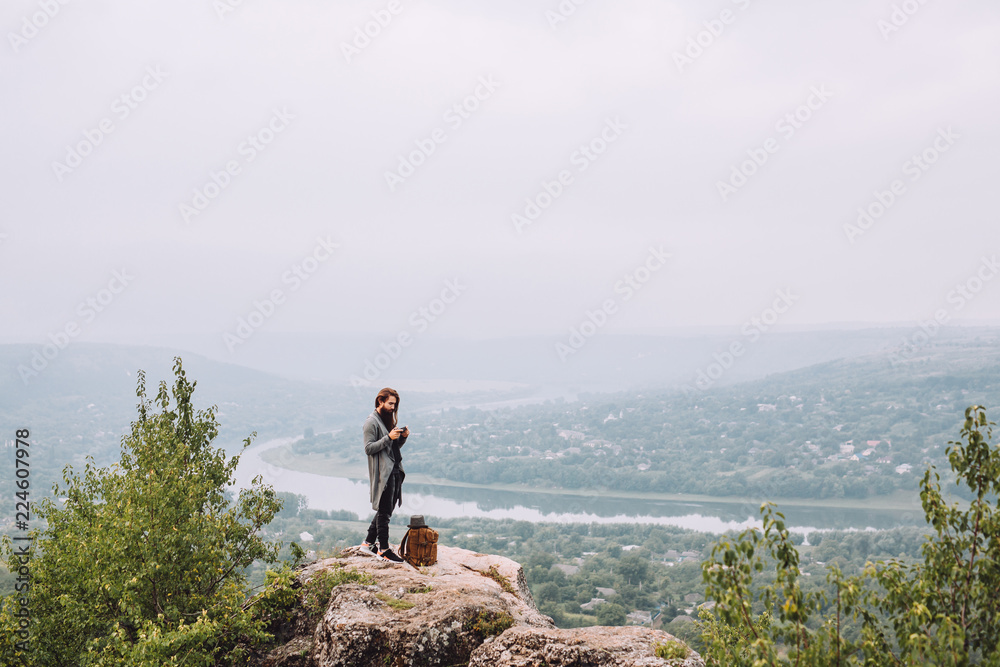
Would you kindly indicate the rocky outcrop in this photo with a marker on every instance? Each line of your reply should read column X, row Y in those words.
column 578, row 647
column 468, row 609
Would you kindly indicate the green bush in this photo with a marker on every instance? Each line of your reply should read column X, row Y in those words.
column 321, row 585
column 942, row 611
column 671, row 650
column 144, row 562
column 489, row 623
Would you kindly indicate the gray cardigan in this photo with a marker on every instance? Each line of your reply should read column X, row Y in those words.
column 378, row 447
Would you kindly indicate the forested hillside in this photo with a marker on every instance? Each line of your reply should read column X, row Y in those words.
column 853, row 428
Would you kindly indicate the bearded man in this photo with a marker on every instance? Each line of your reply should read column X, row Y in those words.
column 383, row 441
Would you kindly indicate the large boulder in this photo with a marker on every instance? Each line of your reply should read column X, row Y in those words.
column 468, row 606
column 433, row 615
column 579, row 647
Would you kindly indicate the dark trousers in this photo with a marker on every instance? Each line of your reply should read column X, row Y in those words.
column 379, row 528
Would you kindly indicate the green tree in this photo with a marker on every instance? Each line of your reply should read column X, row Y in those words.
column 143, row 564
column 611, row 613
column 947, row 609
column 634, row 567
column 942, row 611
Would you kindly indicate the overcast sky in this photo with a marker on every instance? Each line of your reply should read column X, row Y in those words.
column 819, row 107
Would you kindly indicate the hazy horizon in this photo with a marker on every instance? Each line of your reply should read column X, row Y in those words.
column 435, row 170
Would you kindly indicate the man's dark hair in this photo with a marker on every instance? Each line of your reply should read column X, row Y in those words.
column 381, row 398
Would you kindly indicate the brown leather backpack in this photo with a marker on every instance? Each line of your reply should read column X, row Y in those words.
column 419, row 546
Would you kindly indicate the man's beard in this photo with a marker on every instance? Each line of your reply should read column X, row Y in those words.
column 388, row 418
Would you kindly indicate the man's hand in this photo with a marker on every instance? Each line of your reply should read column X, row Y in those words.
column 396, row 432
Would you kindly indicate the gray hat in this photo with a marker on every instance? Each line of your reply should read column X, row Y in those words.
column 417, row 521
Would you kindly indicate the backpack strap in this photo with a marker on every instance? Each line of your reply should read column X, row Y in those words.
column 402, row 545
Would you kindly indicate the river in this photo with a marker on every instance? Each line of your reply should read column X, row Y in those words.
column 338, row 493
